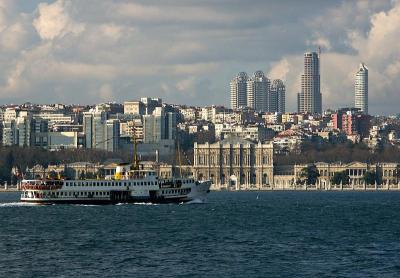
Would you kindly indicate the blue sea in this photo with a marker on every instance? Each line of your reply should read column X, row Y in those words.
column 234, row 234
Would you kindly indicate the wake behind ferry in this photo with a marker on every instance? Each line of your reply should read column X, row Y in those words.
column 129, row 185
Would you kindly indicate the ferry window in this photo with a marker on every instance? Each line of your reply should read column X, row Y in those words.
column 141, row 183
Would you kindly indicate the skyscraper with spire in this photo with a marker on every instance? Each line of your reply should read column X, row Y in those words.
column 361, row 89
column 310, row 98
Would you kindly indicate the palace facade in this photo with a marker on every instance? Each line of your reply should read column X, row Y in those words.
column 235, row 164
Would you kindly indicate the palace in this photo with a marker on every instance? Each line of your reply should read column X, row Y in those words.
column 241, row 164
column 235, row 164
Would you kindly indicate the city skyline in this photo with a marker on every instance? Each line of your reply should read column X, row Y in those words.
column 65, row 50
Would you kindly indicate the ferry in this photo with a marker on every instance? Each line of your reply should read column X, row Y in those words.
column 129, row 185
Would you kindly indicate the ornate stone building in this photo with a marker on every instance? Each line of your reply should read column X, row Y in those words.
column 235, row 164
column 286, row 177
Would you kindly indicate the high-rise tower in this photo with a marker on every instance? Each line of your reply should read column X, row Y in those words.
column 361, row 89
column 277, row 96
column 257, row 92
column 239, row 91
column 310, row 98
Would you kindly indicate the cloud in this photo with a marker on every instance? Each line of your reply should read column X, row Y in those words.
column 280, row 70
column 53, row 21
column 188, row 51
column 373, row 39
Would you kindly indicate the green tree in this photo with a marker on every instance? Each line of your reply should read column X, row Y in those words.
column 309, row 174
column 341, row 178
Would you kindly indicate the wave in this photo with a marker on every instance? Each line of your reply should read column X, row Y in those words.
column 196, row 201
column 17, row 204
column 144, row 204
column 83, row 205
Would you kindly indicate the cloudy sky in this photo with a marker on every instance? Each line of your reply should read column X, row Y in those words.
column 186, row 51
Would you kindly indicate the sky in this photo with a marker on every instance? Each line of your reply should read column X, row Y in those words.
column 187, row 51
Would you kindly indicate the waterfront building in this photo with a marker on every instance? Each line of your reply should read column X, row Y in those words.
column 258, row 87
column 238, row 88
column 235, row 164
column 310, row 98
column 277, row 97
column 361, row 89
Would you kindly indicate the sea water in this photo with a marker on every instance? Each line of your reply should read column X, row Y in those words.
column 234, row 234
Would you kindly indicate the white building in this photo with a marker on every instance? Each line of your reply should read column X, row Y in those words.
column 361, row 89
column 238, row 87
column 209, row 113
column 310, row 98
column 189, row 114
column 17, row 131
column 63, row 140
column 258, row 88
column 134, row 107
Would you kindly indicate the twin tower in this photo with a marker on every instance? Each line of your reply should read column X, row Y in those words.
column 258, row 93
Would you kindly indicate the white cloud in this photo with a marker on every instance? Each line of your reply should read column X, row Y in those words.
column 53, row 21
column 280, row 70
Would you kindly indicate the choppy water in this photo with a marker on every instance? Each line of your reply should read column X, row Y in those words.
column 246, row 234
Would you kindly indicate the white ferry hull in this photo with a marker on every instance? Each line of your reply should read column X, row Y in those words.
column 196, row 192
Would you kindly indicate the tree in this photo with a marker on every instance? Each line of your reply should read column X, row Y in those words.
column 370, row 177
column 341, row 178
column 82, row 175
column 309, row 174
column 90, row 175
